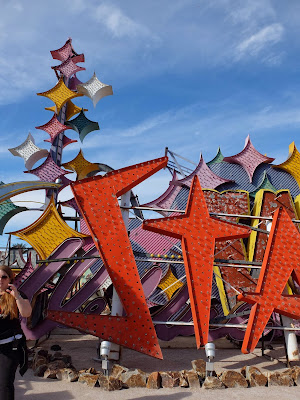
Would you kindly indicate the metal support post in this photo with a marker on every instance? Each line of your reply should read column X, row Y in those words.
column 290, row 341
column 113, row 350
column 210, row 350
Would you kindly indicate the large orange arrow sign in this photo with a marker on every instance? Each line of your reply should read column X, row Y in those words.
column 97, row 198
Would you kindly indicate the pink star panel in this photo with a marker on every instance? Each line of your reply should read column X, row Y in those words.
column 208, row 179
column 167, row 198
column 71, row 203
column 198, row 233
column 152, row 242
column 73, row 82
column 48, row 171
column 53, row 127
column 78, row 58
column 249, row 158
column 280, row 260
column 68, row 68
column 67, row 141
column 24, row 273
column 64, row 52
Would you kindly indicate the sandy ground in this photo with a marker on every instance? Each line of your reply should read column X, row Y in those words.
column 82, row 348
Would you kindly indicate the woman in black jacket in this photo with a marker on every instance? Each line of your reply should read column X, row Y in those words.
column 12, row 339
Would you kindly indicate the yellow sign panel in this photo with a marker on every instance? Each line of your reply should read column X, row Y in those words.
column 47, row 232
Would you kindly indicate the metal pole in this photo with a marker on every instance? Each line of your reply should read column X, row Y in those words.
column 241, row 326
column 290, row 338
column 9, row 249
column 297, row 221
column 176, row 163
column 117, row 307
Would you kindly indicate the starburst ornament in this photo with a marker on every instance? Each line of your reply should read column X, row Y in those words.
column 29, row 152
column 249, row 158
column 59, row 94
column 94, row 89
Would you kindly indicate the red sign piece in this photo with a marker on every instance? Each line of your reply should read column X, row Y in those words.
column 97, row 198
column 280, row 260
column 198, row 232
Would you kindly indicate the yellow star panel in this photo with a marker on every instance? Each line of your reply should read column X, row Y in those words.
column 80, row 165
column 72, row 110
column 297, row 205
column 53, row 108
column 59, row 94
column 292, row 164
column 47, row 232
column 169, row 284
column 90, row 168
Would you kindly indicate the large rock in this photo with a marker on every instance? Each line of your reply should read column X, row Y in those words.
column 192, row 379
column 254, row 376
column 67, row 374
column 233, row 379
column 280, row 379
column 170, row 379
column 212, row 382
column 64, row 357
column 38, row 360
column 92, row 371
column 294, row 373
column 154, row 381
column 40, row 370
column 43, row 353
column 117, row 370
column 90, row 380
column 110, row 383
column 200, row 367
column 134, row 378
column 56, row 356
column 178, row 377
column 53, row 369
column 183, row 382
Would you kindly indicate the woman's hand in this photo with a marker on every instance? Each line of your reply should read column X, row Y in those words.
column 24, row 305
column 13, row 291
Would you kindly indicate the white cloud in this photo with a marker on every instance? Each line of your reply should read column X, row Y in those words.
column 259, row 41
column 18, row 6
column 250, row 11
column 148, row 124
column 117, row 22
column 128, row 41
column 77, row 6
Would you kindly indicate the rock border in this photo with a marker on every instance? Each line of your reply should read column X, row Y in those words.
column 59, row 366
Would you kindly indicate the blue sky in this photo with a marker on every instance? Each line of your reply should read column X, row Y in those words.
column 187, row 74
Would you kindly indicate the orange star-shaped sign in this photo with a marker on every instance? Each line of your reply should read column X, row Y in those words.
column 280, row 260
column 198, row 232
